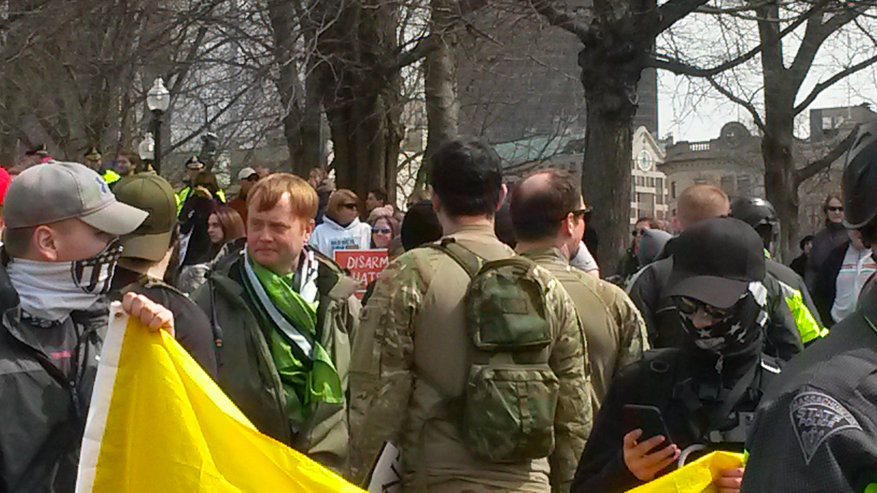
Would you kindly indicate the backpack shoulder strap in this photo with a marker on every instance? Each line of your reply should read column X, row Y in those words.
column 661, row 365
column 467, row 259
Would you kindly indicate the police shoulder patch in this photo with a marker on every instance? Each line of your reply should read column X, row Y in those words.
column 815, row 417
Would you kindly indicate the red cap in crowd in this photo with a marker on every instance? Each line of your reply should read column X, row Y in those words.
column 5, row 179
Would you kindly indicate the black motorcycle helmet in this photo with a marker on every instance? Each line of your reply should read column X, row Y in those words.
column 860, row 179
column 758, row 213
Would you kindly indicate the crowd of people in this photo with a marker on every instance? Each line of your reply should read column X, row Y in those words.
column 489, row 352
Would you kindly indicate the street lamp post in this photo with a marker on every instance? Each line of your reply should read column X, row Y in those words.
column 146, row 149
column 158, row 99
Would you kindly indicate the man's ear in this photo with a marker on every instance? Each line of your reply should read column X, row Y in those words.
column 44, row 244
column 568, row 225
column 309, row 229
column 503, row 193
column 436, row 202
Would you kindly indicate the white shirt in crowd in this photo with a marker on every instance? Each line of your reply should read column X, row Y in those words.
column 583, row 260
column 330, row 236
column 857, row 267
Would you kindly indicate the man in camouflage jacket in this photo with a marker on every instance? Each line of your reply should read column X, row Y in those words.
column 409, row 363
column 547, row 212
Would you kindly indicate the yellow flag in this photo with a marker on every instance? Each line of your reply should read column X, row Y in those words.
column 158, row 422
column 696, row 477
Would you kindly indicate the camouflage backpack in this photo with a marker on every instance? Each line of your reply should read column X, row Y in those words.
column 511, row 392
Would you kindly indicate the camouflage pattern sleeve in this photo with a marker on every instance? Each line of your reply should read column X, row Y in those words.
column 632, row 328
column 381, row 374
column 574, row 415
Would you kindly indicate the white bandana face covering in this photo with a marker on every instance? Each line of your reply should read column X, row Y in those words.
column 51, row 290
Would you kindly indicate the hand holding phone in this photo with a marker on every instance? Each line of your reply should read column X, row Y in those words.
column 646, row 418
column 640, row 456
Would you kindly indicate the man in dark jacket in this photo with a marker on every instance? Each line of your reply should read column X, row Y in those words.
column 285, row 315
column 696, row 204
column 145, row 257
column 760, row 214
column 799, row 265
column 706, row 390
column 59, row 256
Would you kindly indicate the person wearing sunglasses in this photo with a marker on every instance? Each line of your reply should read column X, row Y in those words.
column 341, row 228
column 630, row 263
column 833, row 235
column 384, row 230
column 705, row 391
column 648, row 288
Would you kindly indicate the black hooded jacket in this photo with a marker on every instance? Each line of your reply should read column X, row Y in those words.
column 684, row 384
column 42, row 409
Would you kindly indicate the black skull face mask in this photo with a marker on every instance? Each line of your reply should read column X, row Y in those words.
column 732, row 334
column 94, row 275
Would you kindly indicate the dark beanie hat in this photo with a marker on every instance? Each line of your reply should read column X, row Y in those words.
column 420, row 225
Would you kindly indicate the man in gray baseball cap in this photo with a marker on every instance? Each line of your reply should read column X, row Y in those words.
column 60, row 251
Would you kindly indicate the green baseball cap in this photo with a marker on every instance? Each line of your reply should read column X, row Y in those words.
column 153, row 194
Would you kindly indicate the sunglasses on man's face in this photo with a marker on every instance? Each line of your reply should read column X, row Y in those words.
column 349, row 206
column 690, row 306
column 834, row 209
column 385, row 231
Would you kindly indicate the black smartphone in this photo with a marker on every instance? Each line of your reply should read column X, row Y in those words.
column 646, row 418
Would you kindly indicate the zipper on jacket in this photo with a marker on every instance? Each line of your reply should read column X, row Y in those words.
column 68, row 383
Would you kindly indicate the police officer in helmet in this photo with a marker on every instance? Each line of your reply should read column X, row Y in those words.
column 760, row 214
column 816, row 428
column 707, row 390
column 781, row 281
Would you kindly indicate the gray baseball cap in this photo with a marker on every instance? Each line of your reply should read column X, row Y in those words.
column 56, row 191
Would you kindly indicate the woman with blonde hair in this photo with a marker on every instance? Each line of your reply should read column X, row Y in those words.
column 341, row 228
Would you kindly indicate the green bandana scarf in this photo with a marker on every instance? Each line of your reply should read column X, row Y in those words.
column 303, row 388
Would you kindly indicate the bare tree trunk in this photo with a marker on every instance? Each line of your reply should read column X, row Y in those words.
column 606, row 179
column 442, row 105
column 612, row 62
column 288, row 85
column 780, row 183
column 313, row 142
column 362, row 135
column 359, row 86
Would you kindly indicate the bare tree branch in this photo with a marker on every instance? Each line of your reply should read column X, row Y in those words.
column 814, row 35
column 814, row 167
column 681, row 68
column 673, row 10
column 433, row 41
column 833, row 80
column 420, row 50
column 747, row 105
column 561, row 19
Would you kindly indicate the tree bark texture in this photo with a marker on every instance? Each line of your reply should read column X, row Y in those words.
column 289, row 88
column 616, row 51
column 359, row 87
column 442, row 105
column 781, row 87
